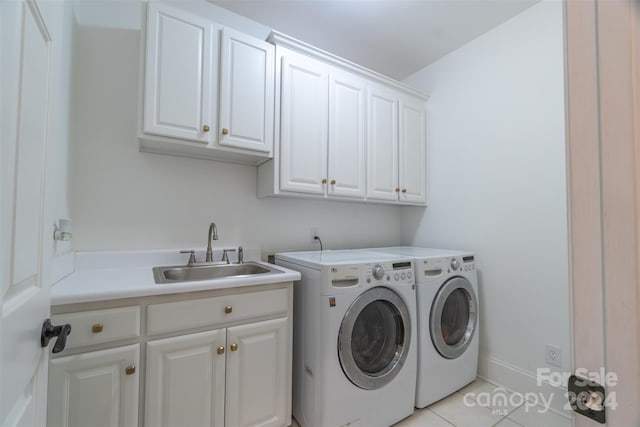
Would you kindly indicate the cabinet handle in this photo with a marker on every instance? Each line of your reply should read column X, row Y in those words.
column 333, row 182
column 397, row 190
column 220, row 350
column 228, row 309
column 234, row 347
column 225, row 131
column 404, row 190
column 324, row 180
column 96, row 328
column 205, row 128
column 130, row 370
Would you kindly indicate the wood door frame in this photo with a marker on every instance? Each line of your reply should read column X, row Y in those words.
column 603, row 178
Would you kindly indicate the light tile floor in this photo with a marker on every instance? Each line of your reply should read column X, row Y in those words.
column 482, row 404
column 478, row 409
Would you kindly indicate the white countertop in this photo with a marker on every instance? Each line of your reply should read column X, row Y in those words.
column 100, row 276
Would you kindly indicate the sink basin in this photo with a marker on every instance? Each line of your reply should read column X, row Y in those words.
column 174, row 274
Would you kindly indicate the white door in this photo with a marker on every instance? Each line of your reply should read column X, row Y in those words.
column 25, row 243
column 185, row 380
column 257, row 377
column 603, row 134
column 303, row 125
column 179, row 71
column 413, row 151
column 99, row 388
column 382, row 144
column 246, row 92
column 347, row 115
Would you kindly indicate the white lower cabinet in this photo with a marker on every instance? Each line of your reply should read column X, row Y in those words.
column 257, row 374
column 185, row 380
column 213, row 358
column 98, row 388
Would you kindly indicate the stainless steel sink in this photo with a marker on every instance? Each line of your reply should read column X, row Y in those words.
column 182, row 273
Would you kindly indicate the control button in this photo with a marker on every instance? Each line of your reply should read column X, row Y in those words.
column 409, row 275
column 378, row 272
column 396, row 276
column 404, row 276
column 388, row 277
column 368, row 279
column 455, row 264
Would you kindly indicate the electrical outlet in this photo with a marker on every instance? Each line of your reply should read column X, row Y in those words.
column 315, row 231
column 553, row 355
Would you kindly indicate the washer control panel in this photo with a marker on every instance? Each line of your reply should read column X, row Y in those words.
column 390, row 272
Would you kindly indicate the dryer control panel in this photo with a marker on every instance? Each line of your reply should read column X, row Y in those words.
column 400, row 272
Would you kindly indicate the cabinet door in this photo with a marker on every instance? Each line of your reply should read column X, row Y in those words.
column 258, row 374
column 178, row 74
column 303, row 125
column 382, row 144
column 347, row 109
column 413, row 147
column 246, row 92
column 185, row 380
column 98, row 388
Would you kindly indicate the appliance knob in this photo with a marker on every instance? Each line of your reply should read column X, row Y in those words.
column 409, row 275
column 378, row 272
column 396, row 277
column 404, row 276
column 455, row 264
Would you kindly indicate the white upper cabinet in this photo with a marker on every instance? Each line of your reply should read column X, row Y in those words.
column 303, row 124
column 246, row 92
column 382, row 151
column 183, row 89
column 413, row 151
column 347, row 114
column 343, row 132
column 179, row 74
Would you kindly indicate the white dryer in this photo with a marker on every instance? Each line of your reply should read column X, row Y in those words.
column 354, row 345
column 448, row 329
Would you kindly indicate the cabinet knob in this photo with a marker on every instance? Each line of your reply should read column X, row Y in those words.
column 404, row 190
column 220, row 350
column 397, row 190
column 333, row 182
column 225, row 131
column 96, row 328
column 130, row 370
column 205, row 128
column 228, row 309
column 324, row 180
column 234, row 347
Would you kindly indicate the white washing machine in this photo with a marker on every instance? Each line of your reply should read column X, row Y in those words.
column 448, row 330
column 354, row 342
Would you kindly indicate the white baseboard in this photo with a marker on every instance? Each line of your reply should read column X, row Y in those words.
column 519, row 380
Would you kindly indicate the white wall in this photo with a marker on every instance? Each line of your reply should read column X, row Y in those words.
column 496, row 174
column 124, row 199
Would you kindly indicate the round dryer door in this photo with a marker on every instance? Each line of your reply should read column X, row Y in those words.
column 454, row 316
column 374, row 338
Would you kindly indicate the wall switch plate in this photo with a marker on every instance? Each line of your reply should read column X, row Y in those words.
column 553, row 355
column 315, row 231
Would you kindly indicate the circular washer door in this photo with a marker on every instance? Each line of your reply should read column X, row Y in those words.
column 454, row 316
column 374, row 338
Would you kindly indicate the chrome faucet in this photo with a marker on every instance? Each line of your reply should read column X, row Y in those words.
column 213, row 235
column 240, row 255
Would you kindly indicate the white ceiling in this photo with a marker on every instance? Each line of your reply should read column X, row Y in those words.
column 393, row 37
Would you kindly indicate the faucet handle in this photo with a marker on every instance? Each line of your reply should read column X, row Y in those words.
column 225, row 255
column 192, row 258
column 240, row 255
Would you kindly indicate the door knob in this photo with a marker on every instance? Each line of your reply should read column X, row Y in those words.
column 228, row 309
column 234, row 347
column 205, row 128
column 225, row 131
column 49, row 331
